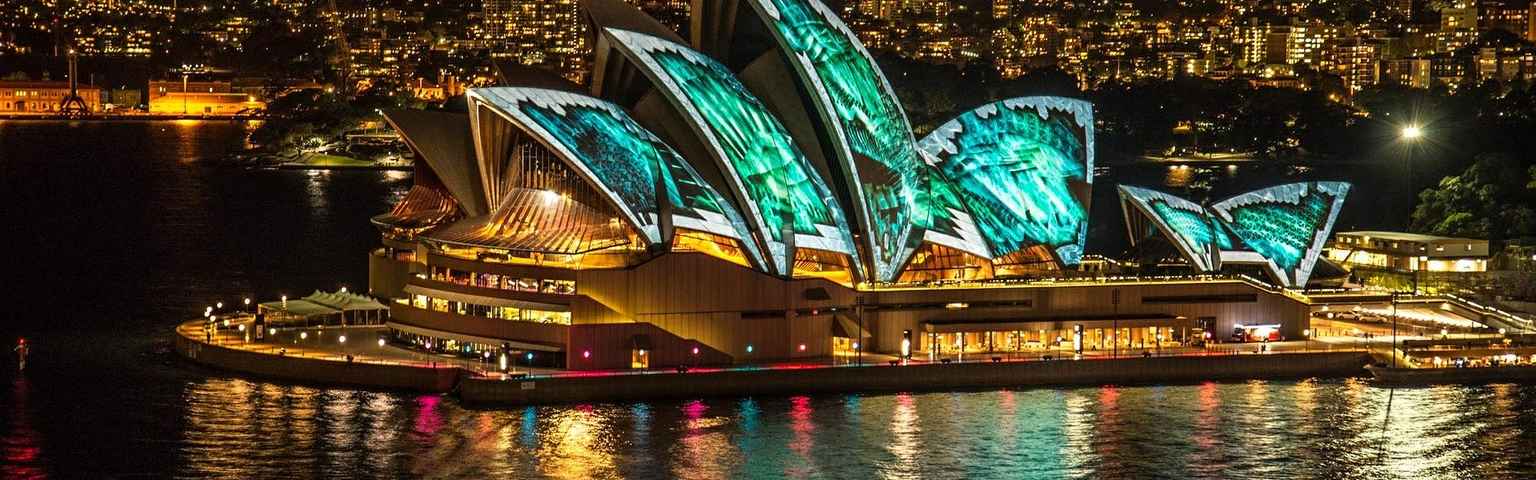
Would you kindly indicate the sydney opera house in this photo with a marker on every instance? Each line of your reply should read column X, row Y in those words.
column 755, row 193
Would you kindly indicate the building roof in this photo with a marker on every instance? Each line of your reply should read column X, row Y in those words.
column 1023, row 167
column 804, row 151
column 41, row 84
column 783, row 194
column 443, row 139
column 1281, row 228
column 1409, row 237
column 537, row 221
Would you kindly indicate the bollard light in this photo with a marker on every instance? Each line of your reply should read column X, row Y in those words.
column 381, row 342
column 303, row 335
column 802, row 347
column 341, row 339
column 749, row 348
column 586, row 354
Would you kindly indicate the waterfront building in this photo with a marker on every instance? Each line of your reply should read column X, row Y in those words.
column 1412, row 261
column 737, row 199
column 42, row 97
column 1409, row 252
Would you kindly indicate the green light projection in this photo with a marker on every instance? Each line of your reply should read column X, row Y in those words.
column 1188, row 225
column 784, row 191
column 1199, row 229
column 623, row 158
column 1281, row 227
column 1023, row 165
column 1285, row 224
column 851, row 91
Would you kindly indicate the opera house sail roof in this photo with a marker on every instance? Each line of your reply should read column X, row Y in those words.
column 1281, row 228
column 1023, row 167
column 799, row 162
column 788, row 200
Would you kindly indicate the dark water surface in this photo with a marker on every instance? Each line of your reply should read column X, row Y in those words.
column 115, row 232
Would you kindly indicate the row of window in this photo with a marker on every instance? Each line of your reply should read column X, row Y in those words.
column 1383, row 244
column 500, row 313
column 502, row 282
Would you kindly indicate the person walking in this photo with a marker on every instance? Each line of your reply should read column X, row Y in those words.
column 21, row 354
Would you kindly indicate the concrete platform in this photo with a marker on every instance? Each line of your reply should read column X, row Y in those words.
column 325, row 361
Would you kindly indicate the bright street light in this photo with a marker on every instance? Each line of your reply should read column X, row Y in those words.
column 1412, row 132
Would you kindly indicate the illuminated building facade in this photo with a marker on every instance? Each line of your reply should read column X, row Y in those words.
column 720, row 199
column 1409, row 252
column 23, row 97
column 1282, row 229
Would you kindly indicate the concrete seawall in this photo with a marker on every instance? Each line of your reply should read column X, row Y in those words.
column 913, row 378
column 376, row 375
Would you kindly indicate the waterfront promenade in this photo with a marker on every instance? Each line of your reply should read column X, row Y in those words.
column 318, row 355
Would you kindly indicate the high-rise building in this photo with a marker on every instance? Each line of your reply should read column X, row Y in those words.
column 547, row 33
column 1357, row 62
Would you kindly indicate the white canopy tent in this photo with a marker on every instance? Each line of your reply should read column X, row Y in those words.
column 341, row 305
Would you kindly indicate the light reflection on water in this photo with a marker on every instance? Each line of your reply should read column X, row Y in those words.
column 1314, row 428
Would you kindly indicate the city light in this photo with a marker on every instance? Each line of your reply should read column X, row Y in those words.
column 1412, row 132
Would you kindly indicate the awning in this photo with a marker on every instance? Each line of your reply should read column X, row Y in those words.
column 844, row 327
column 463, row 338
column 473, row 299
column 1056, row 323
column 298, row 307
column 344, row 301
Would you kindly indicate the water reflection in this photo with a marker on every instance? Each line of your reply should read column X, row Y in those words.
column 904, row 442
column 21, row 446
column 1313, row 428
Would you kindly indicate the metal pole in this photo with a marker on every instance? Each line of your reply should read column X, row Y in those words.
column 1394, row 330
column 859, row 312
column 1115, row 322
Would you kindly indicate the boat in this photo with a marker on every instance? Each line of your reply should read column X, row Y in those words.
column 1453, row 375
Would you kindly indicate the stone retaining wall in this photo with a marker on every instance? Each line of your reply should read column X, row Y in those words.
column 397, row 377
column 913, row 378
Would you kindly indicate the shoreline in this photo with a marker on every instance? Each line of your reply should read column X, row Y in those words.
column 473, row 389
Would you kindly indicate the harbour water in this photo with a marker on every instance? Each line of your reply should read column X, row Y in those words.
column 114, row 232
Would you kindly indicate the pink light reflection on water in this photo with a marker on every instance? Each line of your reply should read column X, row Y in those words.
column 428, row 420
column 800, row 412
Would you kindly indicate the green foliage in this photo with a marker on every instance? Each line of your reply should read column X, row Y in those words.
column 301, row 117
column 1492, row 199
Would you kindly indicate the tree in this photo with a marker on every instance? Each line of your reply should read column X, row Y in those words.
column 1492, row 199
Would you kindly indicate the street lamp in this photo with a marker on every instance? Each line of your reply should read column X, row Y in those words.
column 1410, row 134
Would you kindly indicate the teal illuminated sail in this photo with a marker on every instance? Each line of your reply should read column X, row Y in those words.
column 784, row 193
column 1286, row 225
column 1282, row 228
column 874, row 142
column 624, row 160
column 1024, row 166
column 1188, row 225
